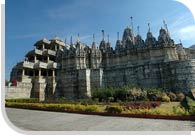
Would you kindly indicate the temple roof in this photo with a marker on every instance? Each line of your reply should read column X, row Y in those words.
column 44, row 40
column 94, row 45
column 56, row 38
column 127, row 33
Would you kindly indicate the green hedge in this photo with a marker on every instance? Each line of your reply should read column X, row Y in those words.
column 65, row 107
column 23, row 100
column 180, row 111
column 114, row 109
column 191, row 105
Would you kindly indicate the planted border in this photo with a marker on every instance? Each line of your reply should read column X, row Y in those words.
column 91, row 110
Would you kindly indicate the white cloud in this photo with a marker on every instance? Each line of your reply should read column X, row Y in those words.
column 189, row 4
column 182, row 27
column 187, row 33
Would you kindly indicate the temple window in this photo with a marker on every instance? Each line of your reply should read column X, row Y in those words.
column 36, row 72
column 43, row 72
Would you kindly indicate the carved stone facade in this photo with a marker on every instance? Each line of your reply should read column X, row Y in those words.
column 55, row 69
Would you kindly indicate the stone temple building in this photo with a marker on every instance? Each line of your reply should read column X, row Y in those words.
column 55, row 69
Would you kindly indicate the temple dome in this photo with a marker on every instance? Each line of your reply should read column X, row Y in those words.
column 94, row 45
column 149, row 35
column 103, row 45
column 128, row 32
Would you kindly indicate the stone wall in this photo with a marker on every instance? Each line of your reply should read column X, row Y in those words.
column 172, row 75
column 22, row 90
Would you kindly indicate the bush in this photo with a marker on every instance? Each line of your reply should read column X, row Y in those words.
column 110, row 99
column 23, row 100
column 155, row 104
column 114, row 109
column 91, row 108
column 86, row 101
column 191, row 105
column 61, row 100
column 172, row 96
column 120, row 94
column 180, row 96
column 155, row 94
column 179, row 111
column 65, row 107
column 141, row 104
column 165, row 98
column 136, row 94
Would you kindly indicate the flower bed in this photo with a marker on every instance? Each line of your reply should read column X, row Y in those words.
column 53, row 107
column 95, row 110
column 141, row 104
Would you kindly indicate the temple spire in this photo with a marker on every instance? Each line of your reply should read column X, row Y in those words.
column 138, row 32
column 108, row 38
column 78, row 37
column 180, row 41
column 132, row 23
column 93, row 37
column 65, row 41
column 117, row 35
column 71, row 40
column 103, row 35
column 165, row 25
column 148, row 27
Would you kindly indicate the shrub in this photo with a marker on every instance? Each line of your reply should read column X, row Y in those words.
column 100, row 94
column 110, row 99
column 114, row 109
column 165, row 98
column 136, row 94
column 192, row 111
column 155, row 104
column 79, row 107
column 23, row 100
column 155, row 94
column 120, row 94
column 191, row 105
column 172, row 96
column 66, row 107
column 61, row 100
column 179, row 111
column 180, row 96
column 96, row 100
column 91, row 108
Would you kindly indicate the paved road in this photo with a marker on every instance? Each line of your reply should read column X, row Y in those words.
column 55, row 121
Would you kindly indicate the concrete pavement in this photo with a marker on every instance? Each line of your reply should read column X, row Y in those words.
column 55, row 121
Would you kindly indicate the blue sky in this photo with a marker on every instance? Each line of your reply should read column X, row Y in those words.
column 27, row 21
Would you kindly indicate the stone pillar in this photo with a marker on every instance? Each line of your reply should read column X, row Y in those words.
column 39, row 72
column 35, row 58
column 48, row 58
column 23, row 72
column 53, row 73
column 55, row 48
column 43, row 46
column 33, row 73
